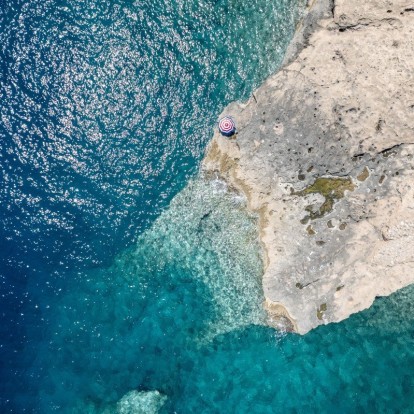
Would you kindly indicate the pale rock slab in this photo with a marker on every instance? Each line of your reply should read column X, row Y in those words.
column 342, row 108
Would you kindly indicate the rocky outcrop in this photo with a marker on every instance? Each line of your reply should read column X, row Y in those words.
column 141, row 402
column 325, row 153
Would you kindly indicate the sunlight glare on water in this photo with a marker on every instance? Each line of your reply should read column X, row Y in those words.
column 106, row 109
column 129, row 282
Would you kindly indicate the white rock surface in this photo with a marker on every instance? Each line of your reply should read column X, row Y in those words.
column 341, row 108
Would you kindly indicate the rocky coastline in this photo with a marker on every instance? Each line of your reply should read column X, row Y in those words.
column 325, row 154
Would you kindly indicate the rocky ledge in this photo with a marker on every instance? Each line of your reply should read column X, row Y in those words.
column 325, row 155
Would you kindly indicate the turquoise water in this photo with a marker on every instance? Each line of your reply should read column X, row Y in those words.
column 141, row 323
column 181, row 313
column 123, row 271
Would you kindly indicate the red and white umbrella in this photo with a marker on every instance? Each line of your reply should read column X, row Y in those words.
column 227, row 126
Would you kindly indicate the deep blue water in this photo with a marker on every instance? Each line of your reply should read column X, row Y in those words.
column 120, row 267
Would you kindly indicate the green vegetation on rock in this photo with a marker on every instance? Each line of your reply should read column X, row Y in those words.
column 321, row 310
column 332, row 189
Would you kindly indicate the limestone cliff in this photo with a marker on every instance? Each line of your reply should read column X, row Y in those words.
column 325, row 154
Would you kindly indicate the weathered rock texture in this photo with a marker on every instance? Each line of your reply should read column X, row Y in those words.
column 325, row 153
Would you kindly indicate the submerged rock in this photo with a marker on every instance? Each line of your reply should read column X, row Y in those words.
column 325, row 155
column 141, row 402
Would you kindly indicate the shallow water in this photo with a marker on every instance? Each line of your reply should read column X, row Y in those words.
column 121, row 267
column 193, row 275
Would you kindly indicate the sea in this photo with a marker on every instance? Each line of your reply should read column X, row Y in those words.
column 130, row 281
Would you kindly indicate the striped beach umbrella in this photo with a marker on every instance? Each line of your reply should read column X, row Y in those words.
column 227, row 127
